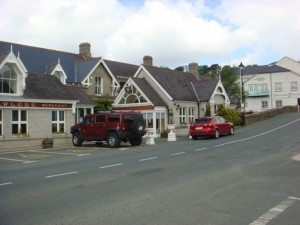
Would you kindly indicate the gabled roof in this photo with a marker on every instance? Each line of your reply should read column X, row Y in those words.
column 120, row 69
column 205, row 89
column 251, row 70
column 41, row 86
column 84, row 67
column 3, row 56
column 151, row 94
column 176, row 83
column 36, row 60
column 79, row 94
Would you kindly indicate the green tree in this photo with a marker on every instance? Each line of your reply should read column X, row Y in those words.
column 208, row 110
column 180, row 68
column 230, row 80
column 103, row 104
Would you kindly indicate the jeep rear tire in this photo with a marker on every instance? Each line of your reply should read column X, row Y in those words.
column 76, row 139
column 138, row 126
column 113, row 140
column 135, row 141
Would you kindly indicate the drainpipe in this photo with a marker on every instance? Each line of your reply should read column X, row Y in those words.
column 271, row 94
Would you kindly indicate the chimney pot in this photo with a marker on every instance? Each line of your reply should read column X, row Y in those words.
column 148, row 60
column 85, row 49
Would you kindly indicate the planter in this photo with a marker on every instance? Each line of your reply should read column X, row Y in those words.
column 47, row 143
column 171, row 135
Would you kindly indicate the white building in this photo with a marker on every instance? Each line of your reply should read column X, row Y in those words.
column 271, row 86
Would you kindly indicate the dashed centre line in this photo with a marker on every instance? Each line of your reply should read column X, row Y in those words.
column 146, row 159
column 177, row 153
column 61, row 174
column 17, row 160
column 113, row 165
column 200, row 149
column 8, row 183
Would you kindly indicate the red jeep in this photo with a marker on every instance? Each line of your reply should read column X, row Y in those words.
column 112, row 127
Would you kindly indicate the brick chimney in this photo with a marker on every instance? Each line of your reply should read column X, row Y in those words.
column 194, row 69
column 148, row 61
column 85, row 49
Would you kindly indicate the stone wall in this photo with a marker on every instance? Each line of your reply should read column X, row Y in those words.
column 259, row 116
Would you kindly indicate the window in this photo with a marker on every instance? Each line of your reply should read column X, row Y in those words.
column 8, row 80
column 264, row 87
column 1, row 132
column 132, row 95
column 278, row 103
column 252, row 87
column 191, row 114
column 100, row 119
column 294, row 86
column 58, row 121
column 182, row 115
column 278, row 86
column 98, row 86
column 264, row 104
column 19, row 122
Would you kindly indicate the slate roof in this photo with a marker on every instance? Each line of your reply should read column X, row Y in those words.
column 250, row 70
column 205, row 89
column 83, row 68
column 79, row 94
column 176, row 83
column 121, row 69
column 41, row 86
column 36, row 60
column 149, row 92
column 3, row 55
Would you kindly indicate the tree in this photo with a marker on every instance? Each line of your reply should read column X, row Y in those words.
column 208, row 110
column 103, row 104
column 230, row 81
column 180, row 68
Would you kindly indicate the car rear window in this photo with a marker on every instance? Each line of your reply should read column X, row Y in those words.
column 202, row 120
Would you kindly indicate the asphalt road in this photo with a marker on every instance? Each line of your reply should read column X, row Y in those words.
column 252, row 177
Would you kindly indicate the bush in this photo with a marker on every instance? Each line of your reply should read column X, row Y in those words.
column 232, row 115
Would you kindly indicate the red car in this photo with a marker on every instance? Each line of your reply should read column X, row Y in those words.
column 213, row 126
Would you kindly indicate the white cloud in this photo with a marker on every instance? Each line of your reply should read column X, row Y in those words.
column 173, row 32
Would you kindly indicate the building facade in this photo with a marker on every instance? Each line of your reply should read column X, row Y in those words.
column 271, row 86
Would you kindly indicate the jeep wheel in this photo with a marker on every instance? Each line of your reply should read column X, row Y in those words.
column 138, row 126
column 76, row 139
column 113, row 140
column 136, row 141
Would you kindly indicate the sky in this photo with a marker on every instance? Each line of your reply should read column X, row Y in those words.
column 175, row 33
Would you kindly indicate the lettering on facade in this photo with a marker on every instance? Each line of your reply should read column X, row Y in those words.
column 34, row 105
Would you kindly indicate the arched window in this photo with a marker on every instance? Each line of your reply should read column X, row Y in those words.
column 8, row 80
column 132, row 95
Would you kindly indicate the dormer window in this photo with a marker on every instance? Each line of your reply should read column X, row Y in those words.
column 59, row 75
column 8, row 80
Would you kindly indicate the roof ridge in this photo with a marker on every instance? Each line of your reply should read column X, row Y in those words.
column 88, row 59
column 40, row 48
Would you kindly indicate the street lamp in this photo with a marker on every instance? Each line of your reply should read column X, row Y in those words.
column 241, row 66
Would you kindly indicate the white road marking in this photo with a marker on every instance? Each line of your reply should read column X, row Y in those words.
column 178, row 153
column 141, row 160
column 18, row 160
column 118, row 164
column 58, row 153
column 274, row 212
column 245, row 139
column 6, row 183
column 61, row 174
column 200, row 149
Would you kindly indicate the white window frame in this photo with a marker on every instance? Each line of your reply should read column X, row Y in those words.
column 278, row 86
column 19, row 122
column 253, row 87
column 191, row 115
column 294, row 86
column 278, row 103
column 264, row 104
column 59, row 122
column 182, row 115
column 98, row 86
column 264, row 87
column 12, row 82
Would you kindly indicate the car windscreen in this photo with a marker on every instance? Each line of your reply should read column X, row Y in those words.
column 202, row 120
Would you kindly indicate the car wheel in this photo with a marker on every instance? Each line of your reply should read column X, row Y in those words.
column 217, row 134
column 113, row 140
column 136, row 141
column 195, row 137
column 231, row 132
column 76, row 139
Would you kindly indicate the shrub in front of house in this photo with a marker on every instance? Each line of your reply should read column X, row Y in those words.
column 232, row 115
